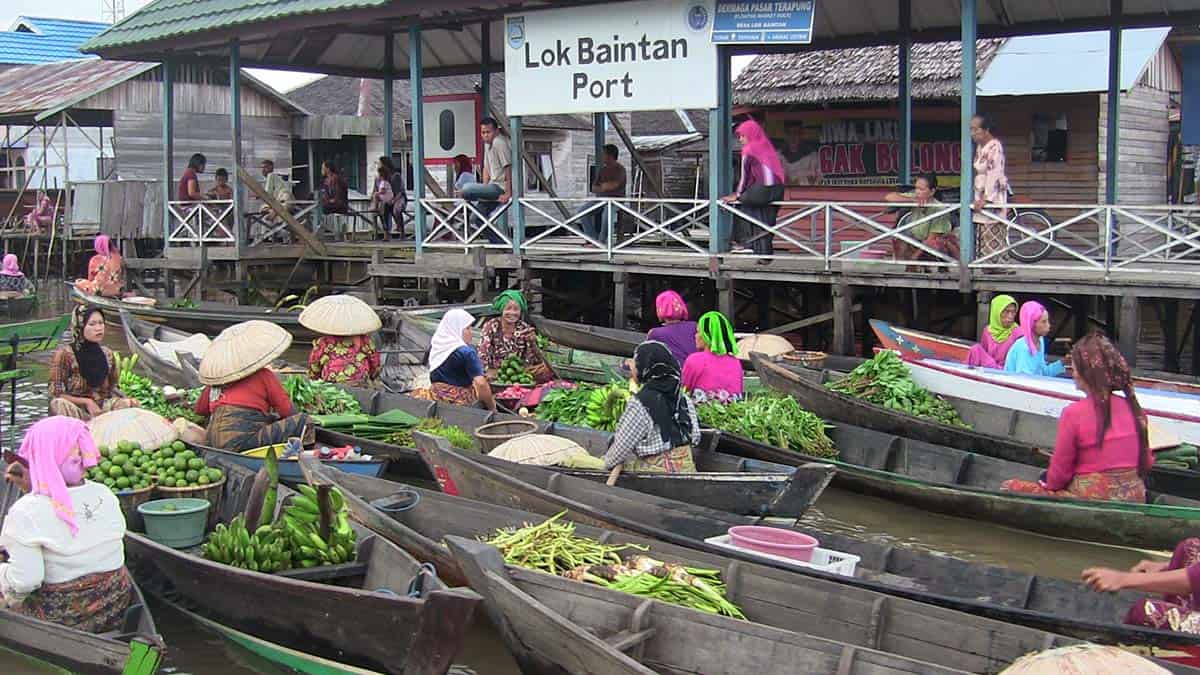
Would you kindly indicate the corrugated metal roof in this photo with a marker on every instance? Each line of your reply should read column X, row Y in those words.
column 164, row 19
column 662, row 142
column 1065, row 64
column 33, row 40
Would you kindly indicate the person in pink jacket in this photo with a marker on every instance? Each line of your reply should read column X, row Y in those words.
column 1102, row 451
column 998, row 337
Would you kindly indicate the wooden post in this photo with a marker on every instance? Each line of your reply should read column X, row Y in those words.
column 843, row 319
column 1127, row 329
column 518, row 184
column 485, row 64
column 1196, row 337
column 418, row 132
column 1079, row 310
column 168, row 147
column 864, row 318
column 1170, row 329
column 235, row 118
column 647, row 175
column 389, row 59
column 620, row 291
column 966, row 227
column 905, row 62
column 726, row 298
column 294, row 225
column 1111, row 149
column 377, row 258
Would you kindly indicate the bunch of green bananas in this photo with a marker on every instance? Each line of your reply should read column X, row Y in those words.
column 301, row 522
column 267, row 550
column 606, row 405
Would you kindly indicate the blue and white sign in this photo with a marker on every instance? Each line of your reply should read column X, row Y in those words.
column 782, row 21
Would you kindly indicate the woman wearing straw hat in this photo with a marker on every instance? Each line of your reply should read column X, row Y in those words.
column 345, row 353
column 714, row 370
column 247, row 405
column 456, row 374
column 83, row 374
column 510, row 335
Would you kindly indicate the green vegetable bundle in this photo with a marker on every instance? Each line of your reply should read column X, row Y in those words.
column 512, row 371
column 774, row 419
column 147, row 394
column 317, row 397
column 376, row 428
column 1180, row 457
column 457, row 437
column 885, row 381
column 553, row 547
column 568, row 406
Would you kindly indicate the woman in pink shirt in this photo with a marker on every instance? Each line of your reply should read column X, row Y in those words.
column 1000, row 334
column 1102, row 451
column 714, row 371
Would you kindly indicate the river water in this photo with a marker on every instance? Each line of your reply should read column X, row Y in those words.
column 193, row 650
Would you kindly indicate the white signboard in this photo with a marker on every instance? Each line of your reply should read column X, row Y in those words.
column 647, row 55
column 452, row 128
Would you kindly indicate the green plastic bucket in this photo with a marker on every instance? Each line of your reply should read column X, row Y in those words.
column 177, row 522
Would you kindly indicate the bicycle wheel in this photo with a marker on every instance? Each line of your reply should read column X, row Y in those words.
column 1030, row 250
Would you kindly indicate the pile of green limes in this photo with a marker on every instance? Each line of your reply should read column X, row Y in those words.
column 129, row 467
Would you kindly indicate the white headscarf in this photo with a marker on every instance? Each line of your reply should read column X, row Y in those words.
column 448, row 336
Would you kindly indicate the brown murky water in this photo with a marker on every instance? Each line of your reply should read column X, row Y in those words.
column 194, row 650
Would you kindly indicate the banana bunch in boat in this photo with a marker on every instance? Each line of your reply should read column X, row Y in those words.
column 302, row 524
column 606, row 405
column 266, row 550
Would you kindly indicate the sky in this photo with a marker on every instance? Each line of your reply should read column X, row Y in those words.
column 90, row 10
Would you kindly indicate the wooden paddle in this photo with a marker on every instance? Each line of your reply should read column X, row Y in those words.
column 613, row 475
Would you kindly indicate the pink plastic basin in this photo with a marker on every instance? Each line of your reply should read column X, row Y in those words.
column 787, row 543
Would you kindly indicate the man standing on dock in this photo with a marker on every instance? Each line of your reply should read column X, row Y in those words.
column 496, row 187
column 609, row 182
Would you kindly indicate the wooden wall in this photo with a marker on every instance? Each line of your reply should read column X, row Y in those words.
column 1069, row 182
column 1143, row 143
column 143, row 94
column 138, row 142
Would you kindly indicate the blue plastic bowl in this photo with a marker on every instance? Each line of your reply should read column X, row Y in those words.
column 177, row 522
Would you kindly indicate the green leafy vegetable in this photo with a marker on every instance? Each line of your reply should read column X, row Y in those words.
column 318, row 397
column 774, row 419
column 885, row 381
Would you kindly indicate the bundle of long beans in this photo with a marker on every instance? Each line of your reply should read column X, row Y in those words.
column 553, row 547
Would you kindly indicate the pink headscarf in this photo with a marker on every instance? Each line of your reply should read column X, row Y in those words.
column 102, row 245
column 1031, row 313
column 11, row 267
column 760, row 147
column 58, row 449
column 670, row 307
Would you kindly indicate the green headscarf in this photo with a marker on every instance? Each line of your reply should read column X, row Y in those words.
column 502, row 300
column 717, row 333
column 997, row 330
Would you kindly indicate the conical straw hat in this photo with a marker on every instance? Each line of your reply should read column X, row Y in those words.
column 241, row 350
column 340, row 315
column 136, row 425
column 537, row 449
column 763, row 343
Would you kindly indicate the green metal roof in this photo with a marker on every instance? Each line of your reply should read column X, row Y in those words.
column 163, row 19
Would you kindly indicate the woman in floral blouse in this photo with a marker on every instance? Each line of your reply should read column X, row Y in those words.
column 991, row 186
column 509, row 335
column 83, row 374
column 344, row 360
column 106, row 271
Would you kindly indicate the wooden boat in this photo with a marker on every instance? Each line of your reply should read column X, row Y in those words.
column 723, row 481
column 139, row 332
column 358, row 612
column 552, row 624
column 293, row 660
column 1172, row 412
column 1059, row 606
column 597, row 339
column 18, row 308
column 776, row 597
column 919, row 344
column 1015, row 435
column 33, row 336
column 80, row 651
column 289, row 467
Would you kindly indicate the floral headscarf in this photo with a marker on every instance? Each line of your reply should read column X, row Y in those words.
column 58, row 449
column 1101, row 369
column 670, row 306
column 1031, row 313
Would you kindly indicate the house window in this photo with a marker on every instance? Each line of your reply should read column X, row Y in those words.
column 1048, row 140
column 541, row 151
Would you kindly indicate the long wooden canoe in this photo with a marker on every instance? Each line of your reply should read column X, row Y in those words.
column 358, row 612
column 33, row 336
column 1015, row 435
column 80, row 651
column 1059, row 606
column 723, row 481
column 139, row 332
column 18, row 308
column 597, row 339
column 771, row 596
column 920, row 344
column 553, row 624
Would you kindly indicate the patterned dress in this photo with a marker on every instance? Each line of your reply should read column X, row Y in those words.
column 344, row 360
column 495, row 346
column 106, row 276
column 991, row 185
column 67, row 380
column 1173, row 612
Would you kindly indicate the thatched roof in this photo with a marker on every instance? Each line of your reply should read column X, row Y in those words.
column 864, row 74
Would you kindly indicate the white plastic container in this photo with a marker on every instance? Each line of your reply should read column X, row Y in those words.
column 823, row 559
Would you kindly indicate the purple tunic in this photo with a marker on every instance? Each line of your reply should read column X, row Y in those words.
column 680, row 338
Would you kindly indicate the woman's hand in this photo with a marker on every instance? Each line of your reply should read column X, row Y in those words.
column 730, row 198
column 17, row 475
column 92, row 407
column 1104, row 580
column 1149, row 567
column 978, row 204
